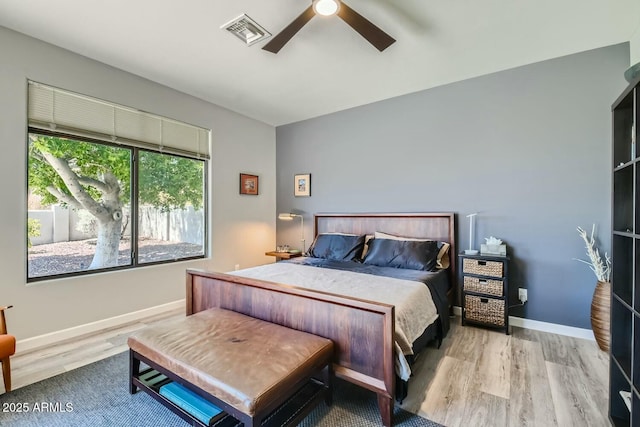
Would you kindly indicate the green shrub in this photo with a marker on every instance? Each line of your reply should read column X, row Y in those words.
column 33, row 230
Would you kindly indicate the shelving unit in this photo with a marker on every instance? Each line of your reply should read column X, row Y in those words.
column 485, row 291
column 624, row 375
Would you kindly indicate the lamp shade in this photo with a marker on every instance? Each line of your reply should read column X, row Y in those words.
column 287, row 216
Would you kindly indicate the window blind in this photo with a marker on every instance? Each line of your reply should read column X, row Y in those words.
column 67, row 112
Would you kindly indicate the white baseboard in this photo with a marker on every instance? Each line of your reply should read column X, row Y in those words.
column 537, row 325
column 97, row 326
column 88, row 328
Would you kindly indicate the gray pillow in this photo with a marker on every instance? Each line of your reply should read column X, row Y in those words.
column 410, row 254
column 339, row 247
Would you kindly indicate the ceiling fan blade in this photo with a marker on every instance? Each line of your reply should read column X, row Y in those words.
column 362, row 25
column 280, row 39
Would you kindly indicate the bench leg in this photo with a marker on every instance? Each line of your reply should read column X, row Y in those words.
column 327, row 378
column 134, row 369
column 248, row 421
column 385, row 403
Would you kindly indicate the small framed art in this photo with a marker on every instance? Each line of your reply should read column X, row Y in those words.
column 302, row 185
column 249, row 184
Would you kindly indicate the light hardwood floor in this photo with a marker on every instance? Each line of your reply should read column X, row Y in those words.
column 477, row 378
column 39, row 364
column 480, row 377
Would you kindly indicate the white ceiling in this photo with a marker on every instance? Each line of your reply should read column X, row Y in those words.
column 327, row 66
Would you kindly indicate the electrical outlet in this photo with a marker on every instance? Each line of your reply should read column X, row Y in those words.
column 237, row 267
column 522, row 295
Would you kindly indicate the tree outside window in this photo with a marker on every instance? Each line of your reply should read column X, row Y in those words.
column 89, row 188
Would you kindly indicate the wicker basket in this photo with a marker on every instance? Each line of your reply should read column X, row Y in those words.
column 485, row 310
column 481, row 267
column 484, row 286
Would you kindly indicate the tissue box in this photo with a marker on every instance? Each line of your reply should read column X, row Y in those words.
column 493, row 250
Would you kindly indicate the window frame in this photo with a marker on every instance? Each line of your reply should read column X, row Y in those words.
column 133, row 188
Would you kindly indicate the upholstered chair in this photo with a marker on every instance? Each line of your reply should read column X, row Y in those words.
column 7, row 349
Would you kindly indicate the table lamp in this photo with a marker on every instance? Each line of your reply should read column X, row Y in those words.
column 289, row 217
column 472, row 220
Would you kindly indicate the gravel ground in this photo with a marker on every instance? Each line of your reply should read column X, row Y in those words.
column 66, row 257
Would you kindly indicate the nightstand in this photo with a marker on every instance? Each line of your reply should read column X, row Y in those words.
column 283, row 255
column 485, row 290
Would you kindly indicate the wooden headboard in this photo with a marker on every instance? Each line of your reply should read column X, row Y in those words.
column 440, row 226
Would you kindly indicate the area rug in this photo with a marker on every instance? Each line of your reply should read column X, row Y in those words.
column 97, row 395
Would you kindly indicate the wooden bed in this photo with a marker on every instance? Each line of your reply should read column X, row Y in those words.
column 362, row 331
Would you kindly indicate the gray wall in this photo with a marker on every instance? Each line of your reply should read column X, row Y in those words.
column 241, row 228
column 528, row 148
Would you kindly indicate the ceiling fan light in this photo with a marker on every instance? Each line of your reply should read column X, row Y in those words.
column 326, row 7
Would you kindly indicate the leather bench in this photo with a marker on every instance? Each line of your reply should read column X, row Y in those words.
column 247, row 367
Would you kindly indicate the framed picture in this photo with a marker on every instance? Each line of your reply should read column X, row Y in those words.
column 249, row 184
column 302, row 185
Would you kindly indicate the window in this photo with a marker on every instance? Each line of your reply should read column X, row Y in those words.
column 106, row 202
column 170, row 208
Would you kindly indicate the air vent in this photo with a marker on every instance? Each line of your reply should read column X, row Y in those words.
column 246, row 29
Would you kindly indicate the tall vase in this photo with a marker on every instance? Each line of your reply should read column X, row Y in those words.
column 600, row 309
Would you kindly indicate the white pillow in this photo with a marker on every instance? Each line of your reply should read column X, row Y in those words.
column 381, row 235
column 442, row 261
column 367, row 237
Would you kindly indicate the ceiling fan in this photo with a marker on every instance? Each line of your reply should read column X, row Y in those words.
column 373, row 34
